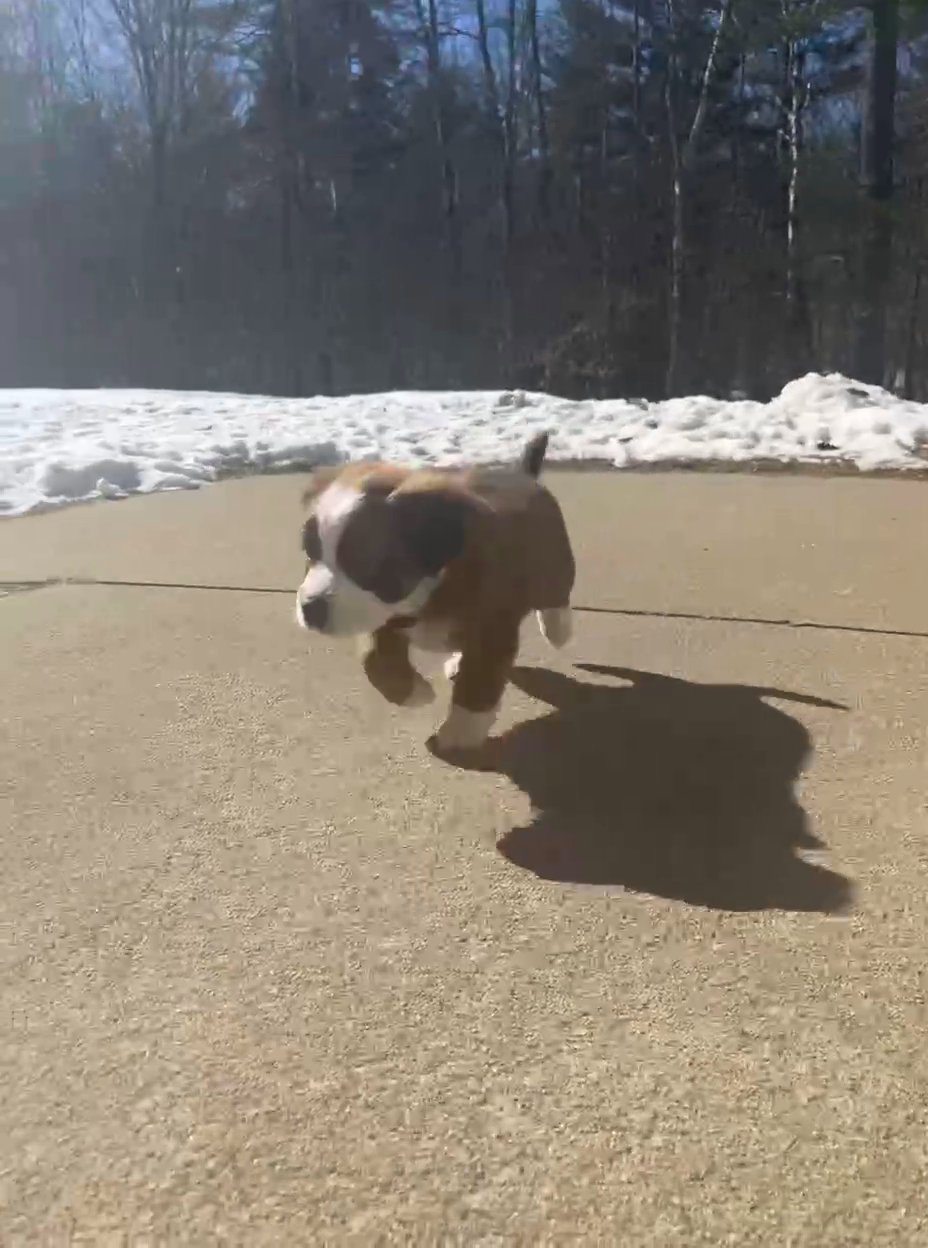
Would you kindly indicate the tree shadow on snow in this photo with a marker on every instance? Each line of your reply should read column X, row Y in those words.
column 666, row 787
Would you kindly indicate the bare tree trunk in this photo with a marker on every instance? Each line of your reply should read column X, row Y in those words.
column 800, row 331
column 702, row 107
column 634, row 227
column 541, row 117
column 878, row 141
column 159, row 38
column 489, row 73
column 289, row 178
column 605, row 233
column 501, row 139
column 677, row 241
column 491, row 92
column 509, row 122
column 437, row 91
column 508, row 189
column 636, row 68
column 682, row 159
column 77, row 12
column 794, row 142
column 911, row 346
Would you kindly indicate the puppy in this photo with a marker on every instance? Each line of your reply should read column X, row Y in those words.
column 439, row 560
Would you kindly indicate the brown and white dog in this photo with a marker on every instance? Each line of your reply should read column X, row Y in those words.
column 440, row 560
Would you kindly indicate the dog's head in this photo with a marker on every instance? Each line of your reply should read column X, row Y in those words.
column 377, row 542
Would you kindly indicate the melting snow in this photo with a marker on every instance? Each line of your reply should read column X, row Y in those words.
column 59, row 446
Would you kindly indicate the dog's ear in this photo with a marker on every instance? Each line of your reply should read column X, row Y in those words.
column 321, row 478
column 434, row 525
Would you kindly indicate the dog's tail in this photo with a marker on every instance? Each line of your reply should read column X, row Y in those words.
column 534, row 455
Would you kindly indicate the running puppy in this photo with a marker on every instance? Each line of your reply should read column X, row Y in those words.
column 445, row 561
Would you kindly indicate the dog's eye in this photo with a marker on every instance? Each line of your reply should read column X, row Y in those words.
column 311, row 542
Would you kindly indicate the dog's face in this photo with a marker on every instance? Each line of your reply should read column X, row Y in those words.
column 375, row 551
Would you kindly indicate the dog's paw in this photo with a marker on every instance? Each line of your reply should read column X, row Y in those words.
column 463, row 730
column 452, row 666
column 556, row 625
column 421, row 693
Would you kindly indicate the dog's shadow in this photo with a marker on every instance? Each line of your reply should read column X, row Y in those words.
column 667, row 787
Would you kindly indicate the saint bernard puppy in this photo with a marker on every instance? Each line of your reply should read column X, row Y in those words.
column 450, row 561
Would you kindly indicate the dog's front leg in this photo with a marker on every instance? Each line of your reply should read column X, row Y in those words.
column 481, row 675
column 388, row 667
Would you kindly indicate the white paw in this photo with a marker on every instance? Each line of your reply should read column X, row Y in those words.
column 422, row 692
column 452, row 666
column 464, row 730
column 556, row 625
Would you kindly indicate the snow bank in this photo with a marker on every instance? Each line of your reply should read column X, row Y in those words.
column 59, row 446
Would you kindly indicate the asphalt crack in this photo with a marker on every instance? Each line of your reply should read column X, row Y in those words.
column 8, row 588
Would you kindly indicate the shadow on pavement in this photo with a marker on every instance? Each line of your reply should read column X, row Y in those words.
column 667, row 787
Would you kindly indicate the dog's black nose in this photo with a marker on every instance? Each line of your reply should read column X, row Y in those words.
column 316, row 613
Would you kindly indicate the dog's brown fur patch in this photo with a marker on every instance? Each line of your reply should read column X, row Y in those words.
column 499, row 545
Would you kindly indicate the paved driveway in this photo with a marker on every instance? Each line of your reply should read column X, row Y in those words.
column 272, row 974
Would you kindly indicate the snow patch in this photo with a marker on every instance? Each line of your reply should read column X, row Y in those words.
column 60, row 446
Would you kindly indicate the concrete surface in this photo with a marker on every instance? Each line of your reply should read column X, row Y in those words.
column 272, row 974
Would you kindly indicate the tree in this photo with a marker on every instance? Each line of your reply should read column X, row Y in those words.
column 876, row 171
column 594, row 196
column 684, row 150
